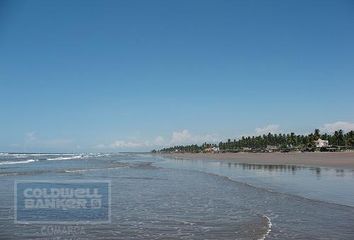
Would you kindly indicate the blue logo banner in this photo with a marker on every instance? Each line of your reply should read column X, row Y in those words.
column 71, row 202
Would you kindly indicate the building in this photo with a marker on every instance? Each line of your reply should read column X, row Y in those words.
column 211, row 150
column 247, row 149
column 271, row 148
column 215, row 149
column 321, row 143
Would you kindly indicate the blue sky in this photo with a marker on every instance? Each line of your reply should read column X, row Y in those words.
column 134, row 75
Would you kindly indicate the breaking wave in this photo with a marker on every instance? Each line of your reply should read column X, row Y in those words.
column 18, row 162
column 269, row 227
column 66, row 158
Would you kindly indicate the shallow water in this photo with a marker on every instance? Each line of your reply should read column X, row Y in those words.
column 156, row 198
column 317, row 183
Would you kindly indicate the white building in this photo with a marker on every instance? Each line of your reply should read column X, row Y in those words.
column 215, row 149
column 212, row 150
column 321, row 143
column 271, row 148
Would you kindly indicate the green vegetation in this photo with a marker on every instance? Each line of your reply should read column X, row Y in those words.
column 194, row 148
column 274, row 142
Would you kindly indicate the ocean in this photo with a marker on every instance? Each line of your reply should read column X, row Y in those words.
column 153, row 197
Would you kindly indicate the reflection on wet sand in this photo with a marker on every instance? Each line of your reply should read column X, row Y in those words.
column 319, row 183
column 286, row 168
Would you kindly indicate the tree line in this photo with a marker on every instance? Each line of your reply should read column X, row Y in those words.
column 289, row 141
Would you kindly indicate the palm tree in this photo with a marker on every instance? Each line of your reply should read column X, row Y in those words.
column 336, row 137
column 341, row 138
column 317, row 134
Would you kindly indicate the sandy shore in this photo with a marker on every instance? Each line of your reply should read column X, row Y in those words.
column 316, row 159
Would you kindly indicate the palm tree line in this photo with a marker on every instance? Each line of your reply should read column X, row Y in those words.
column 290, row 141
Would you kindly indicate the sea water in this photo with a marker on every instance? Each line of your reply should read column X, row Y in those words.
column 158, row 198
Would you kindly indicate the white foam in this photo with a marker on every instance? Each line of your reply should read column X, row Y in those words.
column 19, row 162
column 74, row 171
column 269, row 228
column 25, row 155
column 91, row 169
column 65, row 158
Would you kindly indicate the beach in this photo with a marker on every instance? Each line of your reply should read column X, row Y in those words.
column 155, row 197
column 342, row 160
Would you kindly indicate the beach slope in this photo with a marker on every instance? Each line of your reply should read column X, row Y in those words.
column 315, row 159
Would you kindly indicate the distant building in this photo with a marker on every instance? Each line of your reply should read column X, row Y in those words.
column 212, row 150
column 215, row 149
column 321, row 143
column 271, row 148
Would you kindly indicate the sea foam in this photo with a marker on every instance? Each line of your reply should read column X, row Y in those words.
column 65, row 158
column 18, row 162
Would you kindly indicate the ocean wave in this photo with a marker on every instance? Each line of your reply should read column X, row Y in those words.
column 18, row 162
column 91, row 169
column 66, row 158
column 78, row 170
column 269, row 227
column 143, row 165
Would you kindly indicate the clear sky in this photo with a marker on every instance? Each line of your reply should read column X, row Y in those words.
column 134, row 75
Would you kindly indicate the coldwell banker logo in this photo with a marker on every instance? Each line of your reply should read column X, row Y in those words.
column 67, row 202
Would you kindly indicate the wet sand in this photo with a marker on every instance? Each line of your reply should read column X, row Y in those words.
column 317, row 159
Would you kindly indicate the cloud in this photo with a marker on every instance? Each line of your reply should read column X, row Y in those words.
column 271, row 128
column 159, row 141
column 332, row 127
column 34, row 142
column 185, row 137
column 128, row 144
column 122, row 144
column 30, row 137
column 182, row 137
column 100, row 146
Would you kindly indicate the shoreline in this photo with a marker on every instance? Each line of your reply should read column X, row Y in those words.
column 343, row 160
